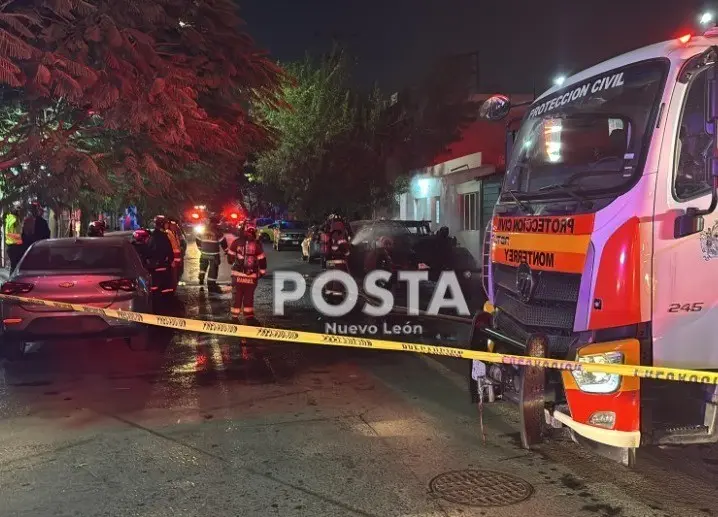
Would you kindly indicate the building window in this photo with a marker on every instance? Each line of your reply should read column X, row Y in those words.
column 437, row 210
column 469, row 207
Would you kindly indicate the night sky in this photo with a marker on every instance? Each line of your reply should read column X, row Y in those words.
column 519, row 42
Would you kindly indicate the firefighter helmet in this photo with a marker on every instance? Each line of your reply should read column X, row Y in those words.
column 95, row 229
column 140, row 236
column 160, row 222
column 250, row 230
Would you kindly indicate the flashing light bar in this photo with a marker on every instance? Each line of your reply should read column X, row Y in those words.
column 685, row 38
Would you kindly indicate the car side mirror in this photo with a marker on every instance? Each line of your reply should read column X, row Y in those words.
column 690, row 223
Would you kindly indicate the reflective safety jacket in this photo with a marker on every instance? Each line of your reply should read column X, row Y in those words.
column 13, row 230
column 338, row 248
column 247, row 259
column 210, row 242
column 176, row 248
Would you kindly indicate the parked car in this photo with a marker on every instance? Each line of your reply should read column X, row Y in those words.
column 311, row 245
column 367, row 241
column 289, row 234
column 265, row 229
column 100, row 272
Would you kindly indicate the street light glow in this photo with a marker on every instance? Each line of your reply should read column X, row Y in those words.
column 706, row 18
column 558, row 81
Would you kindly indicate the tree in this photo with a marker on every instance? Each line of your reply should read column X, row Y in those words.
column 335, row 145
column 129, row 94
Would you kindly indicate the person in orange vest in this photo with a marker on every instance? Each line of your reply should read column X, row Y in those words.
column 13, row 237
column 249, row 264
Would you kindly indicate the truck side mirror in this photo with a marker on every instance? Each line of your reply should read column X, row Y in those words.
column 495, row 108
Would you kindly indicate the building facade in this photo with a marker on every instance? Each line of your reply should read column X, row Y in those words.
column 460, row 188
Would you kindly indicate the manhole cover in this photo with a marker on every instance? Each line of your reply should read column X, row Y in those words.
column 480, row 488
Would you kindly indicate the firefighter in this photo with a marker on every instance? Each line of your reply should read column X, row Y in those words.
column 140, row 240
column 337, row 256
column 95, row 229
column 334, row 229
column 249, row 264
column 209, row 243
column 13, row 236
column 179, row 244
column 162, row 257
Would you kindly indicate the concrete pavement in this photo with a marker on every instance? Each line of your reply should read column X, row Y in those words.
column 207, row 425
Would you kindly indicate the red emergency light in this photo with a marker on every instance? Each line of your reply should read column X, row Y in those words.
column 685, row 38
column 234, row 215
column 195, row 215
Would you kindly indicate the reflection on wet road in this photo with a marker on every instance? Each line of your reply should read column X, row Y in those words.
column 209, row 425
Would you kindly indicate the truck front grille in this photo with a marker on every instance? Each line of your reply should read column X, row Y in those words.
column 551, row 310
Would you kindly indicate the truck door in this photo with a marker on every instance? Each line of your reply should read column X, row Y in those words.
column 685, row 270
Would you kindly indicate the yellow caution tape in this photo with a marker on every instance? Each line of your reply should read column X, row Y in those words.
column 314, row 338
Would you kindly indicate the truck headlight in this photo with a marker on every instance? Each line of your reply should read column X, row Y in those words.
column 596, row 382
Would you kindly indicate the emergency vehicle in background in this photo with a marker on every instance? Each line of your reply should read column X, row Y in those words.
column 603, row 248
column 197, row 219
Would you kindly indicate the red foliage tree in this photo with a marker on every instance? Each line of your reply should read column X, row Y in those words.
column 126, row 92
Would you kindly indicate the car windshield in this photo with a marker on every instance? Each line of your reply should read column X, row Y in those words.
column 418, row 228
column 387, row 229
column 73, row 258
column 590, row 135
column 293, row 225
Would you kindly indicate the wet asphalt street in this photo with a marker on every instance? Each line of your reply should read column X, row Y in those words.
column 208, row 426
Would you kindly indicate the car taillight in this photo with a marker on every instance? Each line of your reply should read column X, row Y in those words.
column 15, row 288
column 123, row 284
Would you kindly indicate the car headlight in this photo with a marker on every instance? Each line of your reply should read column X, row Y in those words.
column 597, row 382
column 199, row 229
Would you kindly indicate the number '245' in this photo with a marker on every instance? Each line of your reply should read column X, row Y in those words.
column 686, row 307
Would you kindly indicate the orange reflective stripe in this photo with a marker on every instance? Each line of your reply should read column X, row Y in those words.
column 541, row 260
column 556, row 225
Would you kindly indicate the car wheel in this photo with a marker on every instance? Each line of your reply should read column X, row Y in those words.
column 139, row 343
column 13, row 349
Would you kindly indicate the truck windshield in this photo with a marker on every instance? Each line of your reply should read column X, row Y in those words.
column 589, row 137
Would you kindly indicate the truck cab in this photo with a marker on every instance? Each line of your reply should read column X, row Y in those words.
column 603, row 248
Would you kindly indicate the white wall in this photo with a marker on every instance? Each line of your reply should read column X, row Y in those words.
column 447, row 182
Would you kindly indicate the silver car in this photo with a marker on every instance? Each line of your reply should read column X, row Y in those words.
column 100, row 272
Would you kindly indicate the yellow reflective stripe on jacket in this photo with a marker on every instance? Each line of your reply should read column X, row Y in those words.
column 12, row 230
